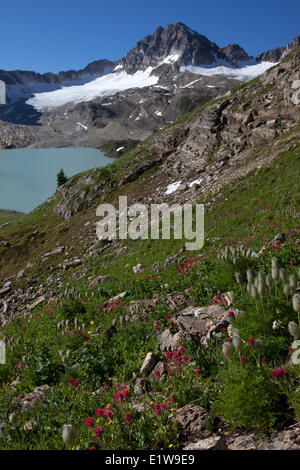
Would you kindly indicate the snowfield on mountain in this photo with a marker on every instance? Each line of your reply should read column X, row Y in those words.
column 243, row 73
column 106, row 85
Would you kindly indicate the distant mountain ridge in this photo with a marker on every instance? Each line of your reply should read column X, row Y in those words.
column 274, row 55
column 23, row 76
column 166, row 74
column 176, row 43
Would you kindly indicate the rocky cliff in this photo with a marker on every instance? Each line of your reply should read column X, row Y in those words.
column 178, row 43
column 274, row 55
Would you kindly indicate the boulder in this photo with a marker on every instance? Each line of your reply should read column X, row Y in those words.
column 100, row 280
column 55, row 251
column 160, row 369
column 37, row 394
column 288, row 439
column 169, row 341
column 116, row 298
column 4, row 291
column 149, row 363
column 201, row 322
column 177, row 300
column 211, row 443
column 37, row 302
column 20, row 274
column 193, row 419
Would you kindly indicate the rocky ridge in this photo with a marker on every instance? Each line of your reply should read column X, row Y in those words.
column 176, row 43
column 274, row 55
column 214, row 147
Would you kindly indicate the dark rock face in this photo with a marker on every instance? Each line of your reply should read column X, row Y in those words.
column 235, row 53
column 292, row 45
column 274, row 55
column 177, row 40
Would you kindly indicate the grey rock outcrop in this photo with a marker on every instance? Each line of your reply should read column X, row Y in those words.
column 183, row 45
column 274, row 55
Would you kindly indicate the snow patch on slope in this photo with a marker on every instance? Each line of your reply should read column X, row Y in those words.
column 106, row 85
column 243, row 73
column 191, row 83
column 172, row 187
column 82, row 126
column 198, row 181
column 27, row 89
column 171, row 59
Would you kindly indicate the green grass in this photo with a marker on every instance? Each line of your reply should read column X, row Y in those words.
column 268, row 195
column 262, row 204
column 9, row 216
column 70, row 346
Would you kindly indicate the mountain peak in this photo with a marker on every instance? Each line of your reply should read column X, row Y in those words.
column 234, row 53
column 177, row 43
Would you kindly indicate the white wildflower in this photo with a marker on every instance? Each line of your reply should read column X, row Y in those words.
column 274, row 262
column 294, row 329
column 296, row 303
column 282, row 274
column 293, row 282
column 275, row 273
column 254, row 292
column 227, row 350
column 268, row 281
column 68, row 434
column 286, row 290
column 250, row 277
column 277, row 324
column 237, row 342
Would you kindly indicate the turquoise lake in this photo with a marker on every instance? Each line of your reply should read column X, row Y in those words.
column 28, row 176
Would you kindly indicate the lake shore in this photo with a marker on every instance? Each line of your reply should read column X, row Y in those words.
column 28, row 177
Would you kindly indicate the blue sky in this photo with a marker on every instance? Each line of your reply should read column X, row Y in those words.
column 58, row 35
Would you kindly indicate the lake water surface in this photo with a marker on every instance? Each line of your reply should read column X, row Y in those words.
column 28, row 176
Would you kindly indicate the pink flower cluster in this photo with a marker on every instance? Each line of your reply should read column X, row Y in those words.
column 128, row 419
column 121, row 396
column 158, row 407
column 100, row 412
column 151, row 277
column 277, row 373
column 110, row 307
column 219, row 300
column 74, row 383
column 106, row 412
column 176, row 359
column 188, row 264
